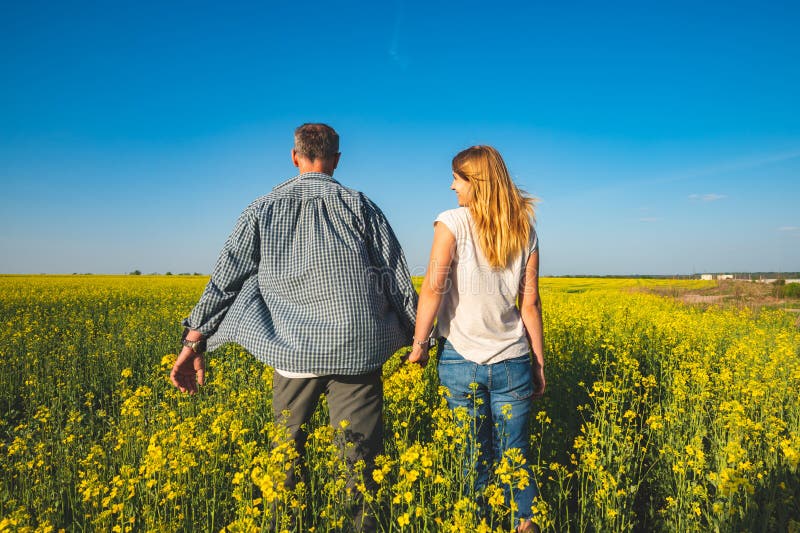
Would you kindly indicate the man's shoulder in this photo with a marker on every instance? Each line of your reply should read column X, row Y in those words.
column 259, row 202
column 295, row 189
column 311, row 184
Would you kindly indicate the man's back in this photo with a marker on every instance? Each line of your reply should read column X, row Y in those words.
column 319, row 280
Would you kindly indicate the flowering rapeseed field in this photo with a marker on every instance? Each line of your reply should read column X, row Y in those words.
column 658, row 417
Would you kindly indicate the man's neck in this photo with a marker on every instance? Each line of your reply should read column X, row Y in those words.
column 323, row 165
column 316, row 166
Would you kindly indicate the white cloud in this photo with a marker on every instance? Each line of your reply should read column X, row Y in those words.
column 743, row 163
column 789, row 228
column 649, row 219
column 711, row 197
column 395, row 53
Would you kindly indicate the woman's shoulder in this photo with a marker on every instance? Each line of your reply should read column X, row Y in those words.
column 458, row 221
column 457, row 214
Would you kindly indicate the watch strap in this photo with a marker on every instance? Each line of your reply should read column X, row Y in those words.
column 197, row 347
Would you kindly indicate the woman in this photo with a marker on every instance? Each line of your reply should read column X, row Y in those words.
column 484, row 257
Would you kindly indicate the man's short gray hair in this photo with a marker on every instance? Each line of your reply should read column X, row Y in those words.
column 316, row 141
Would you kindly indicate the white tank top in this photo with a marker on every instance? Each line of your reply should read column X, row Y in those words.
column 478, row 313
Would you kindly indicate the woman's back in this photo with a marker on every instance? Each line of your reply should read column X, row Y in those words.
column 478, row 313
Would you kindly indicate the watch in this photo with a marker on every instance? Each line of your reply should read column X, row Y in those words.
column 197, row 347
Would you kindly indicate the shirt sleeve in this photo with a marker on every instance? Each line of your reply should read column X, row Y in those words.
column 449, row 219
column 237, row 261
column 534, row 240
column 387, row 256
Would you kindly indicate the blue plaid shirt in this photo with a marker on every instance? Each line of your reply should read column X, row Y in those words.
column 312, row 279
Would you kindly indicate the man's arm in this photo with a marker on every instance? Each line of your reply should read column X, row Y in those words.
column 237, row 261
column 390, row 265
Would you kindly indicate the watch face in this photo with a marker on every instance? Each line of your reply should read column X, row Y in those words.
column 196, row 346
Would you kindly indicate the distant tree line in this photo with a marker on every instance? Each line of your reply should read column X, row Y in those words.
column 786, row 290
column 138, row 272
column 736, row 275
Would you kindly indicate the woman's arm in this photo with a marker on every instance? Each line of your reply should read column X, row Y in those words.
column 530, row 307
column 433, row 287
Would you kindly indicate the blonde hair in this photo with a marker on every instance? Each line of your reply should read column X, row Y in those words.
column 503, row 214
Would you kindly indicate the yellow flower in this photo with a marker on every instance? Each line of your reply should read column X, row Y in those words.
column 403, row 520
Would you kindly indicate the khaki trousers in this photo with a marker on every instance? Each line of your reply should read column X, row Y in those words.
column 357, row 399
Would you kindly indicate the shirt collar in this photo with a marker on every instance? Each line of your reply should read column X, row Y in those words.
column 317, row 176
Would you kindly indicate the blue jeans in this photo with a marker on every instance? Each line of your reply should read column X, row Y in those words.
column 484, row 390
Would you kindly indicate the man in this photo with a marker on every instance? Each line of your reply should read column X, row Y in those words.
column 312, row 282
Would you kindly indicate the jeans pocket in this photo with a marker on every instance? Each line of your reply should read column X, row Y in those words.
column 520, row 377
column 456, row 373
column 448, row 355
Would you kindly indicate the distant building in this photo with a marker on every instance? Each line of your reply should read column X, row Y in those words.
column 709, row 277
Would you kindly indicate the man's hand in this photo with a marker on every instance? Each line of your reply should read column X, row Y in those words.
column 188, row 372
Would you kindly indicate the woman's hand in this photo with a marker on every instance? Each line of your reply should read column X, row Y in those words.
column 539, row 383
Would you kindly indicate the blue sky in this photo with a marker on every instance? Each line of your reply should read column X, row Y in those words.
column 661, row 138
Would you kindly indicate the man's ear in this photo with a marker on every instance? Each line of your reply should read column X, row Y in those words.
column 336, row 159
column 295, row 160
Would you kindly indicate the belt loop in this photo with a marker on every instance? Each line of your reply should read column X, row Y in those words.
column 440, row 346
